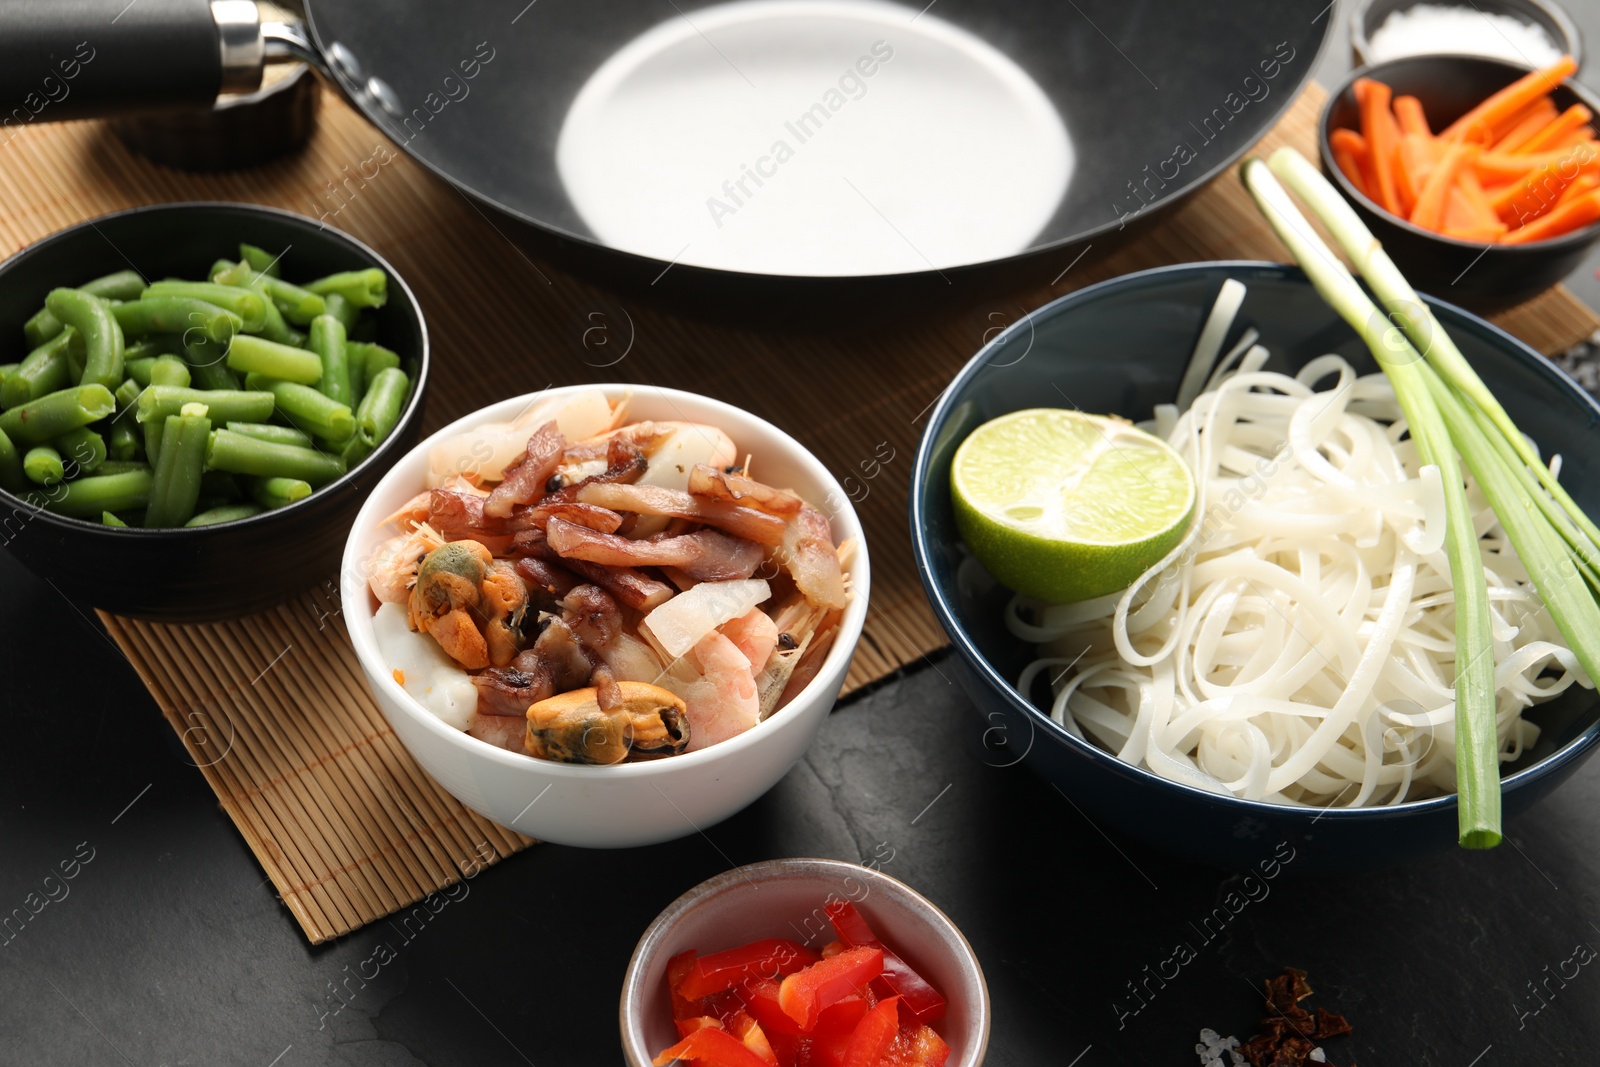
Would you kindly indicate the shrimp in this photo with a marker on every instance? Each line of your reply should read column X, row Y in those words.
column 722, row 702
column 392, row 568
column 755, row 634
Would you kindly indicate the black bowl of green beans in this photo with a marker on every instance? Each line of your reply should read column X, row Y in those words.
column 194, row 402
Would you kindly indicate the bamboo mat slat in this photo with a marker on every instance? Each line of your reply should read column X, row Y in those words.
column 273, row 709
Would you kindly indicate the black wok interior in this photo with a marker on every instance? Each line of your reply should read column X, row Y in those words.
column 1133, row 79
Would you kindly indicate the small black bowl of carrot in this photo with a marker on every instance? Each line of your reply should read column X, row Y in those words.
column 1480, row 177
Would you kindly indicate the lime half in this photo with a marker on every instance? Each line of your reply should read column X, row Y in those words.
column 1064, row 506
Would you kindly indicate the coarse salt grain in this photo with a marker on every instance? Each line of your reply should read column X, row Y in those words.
column 1430, row 29
column 1211, row 1047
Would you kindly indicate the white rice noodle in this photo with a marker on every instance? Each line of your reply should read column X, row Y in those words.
column 1299, row 645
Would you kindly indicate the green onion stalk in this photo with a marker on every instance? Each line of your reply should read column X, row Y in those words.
column 1407, row 310
column 1477, row 746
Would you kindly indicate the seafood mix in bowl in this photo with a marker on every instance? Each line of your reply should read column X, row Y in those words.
column 678, row 634
column 588, row 588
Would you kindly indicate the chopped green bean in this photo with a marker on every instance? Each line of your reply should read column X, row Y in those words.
column 127, row 394
column 256, row 355
column 278, row 435
column 122, row 466
column 82, row 449
column 380, row 411
column 225, row 513
column 96, row 321
column 170, row 370
column 148, row 348
column 273, row 493
column 44, row 370
column 276, row 328
column 234, row 452
column 367, row 288
column 207, row 365
column 260, row 260
column 160, row 401
column 55, row 413
column 108, row 519
column 327, row 341
column 248, row 304
column 340, row 308
column 194, row 319
column 377, row 358
column 123, row 285
column 42, row 464
column 298, row 305
column 40, row 328
column 177, row 472
column 366, row 360
column 139, row 369
column 125, row 441
column 11, row 476
column 86, row 498
column 305, row 409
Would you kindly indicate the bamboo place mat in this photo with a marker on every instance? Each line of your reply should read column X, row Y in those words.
column 273, row 707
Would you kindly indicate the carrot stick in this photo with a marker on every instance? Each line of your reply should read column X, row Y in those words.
column 1429, row 212
column 1383, row 136
column 1409, row 114
column 1581, row 135
column 1535, row 198
column 1349, row 149
column 1563, row 124
column 1480, row 234
column 1506, row 166
column 1564, row 219
column 1420, row 155
column 1459, row 213
column 1472, row 190
column 1580, row 185
column 1513, row 98
column 1532, row 119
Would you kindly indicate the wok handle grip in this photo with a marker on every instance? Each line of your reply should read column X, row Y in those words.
column 73, row 59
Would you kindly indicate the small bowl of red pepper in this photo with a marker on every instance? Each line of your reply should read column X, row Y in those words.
column 804, row 961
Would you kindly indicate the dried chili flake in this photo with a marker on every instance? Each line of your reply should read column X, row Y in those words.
column 1289, row 1036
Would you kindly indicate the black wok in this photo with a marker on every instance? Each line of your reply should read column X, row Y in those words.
column 1160, row 95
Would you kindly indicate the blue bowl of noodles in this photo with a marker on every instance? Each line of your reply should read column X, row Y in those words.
column 1122, row 347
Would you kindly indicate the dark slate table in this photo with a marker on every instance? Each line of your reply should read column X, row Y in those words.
column 167, row 946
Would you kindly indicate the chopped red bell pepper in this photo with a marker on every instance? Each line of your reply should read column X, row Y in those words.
column 697, row 1022
column 874, row 1034
column 769, row 958
column 924, row 1003
column 830, row 1038
column 803, row 994
column 775, row 1003
column 677, row 969
column 760, row 998
column 917, row 1045
column 714, row 1047
column 754, row 1038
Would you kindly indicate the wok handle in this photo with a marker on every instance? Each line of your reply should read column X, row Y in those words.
column 73, row 59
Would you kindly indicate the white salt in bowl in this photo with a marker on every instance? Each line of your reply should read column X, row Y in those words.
column 626, row 804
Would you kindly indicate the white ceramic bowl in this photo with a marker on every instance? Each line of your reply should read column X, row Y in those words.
column 632, row 803
column 763, row 900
